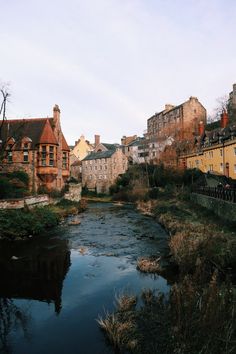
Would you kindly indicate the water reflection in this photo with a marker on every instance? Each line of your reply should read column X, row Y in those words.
column 34, row 270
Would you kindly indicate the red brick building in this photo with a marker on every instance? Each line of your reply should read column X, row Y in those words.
column 38, row 147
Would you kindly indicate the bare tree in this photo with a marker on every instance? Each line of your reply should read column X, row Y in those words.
column 5, row 95
column 222, row 105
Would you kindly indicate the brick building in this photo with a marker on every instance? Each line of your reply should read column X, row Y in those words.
column 38, row 147
column 101, row 168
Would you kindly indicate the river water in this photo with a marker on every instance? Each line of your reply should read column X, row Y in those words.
column 53, row 288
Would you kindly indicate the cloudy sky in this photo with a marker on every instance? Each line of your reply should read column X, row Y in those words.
column 111, row 64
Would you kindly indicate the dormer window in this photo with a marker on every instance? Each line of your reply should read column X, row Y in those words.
column 26, row 143
column 9, row 156
column 26, row 156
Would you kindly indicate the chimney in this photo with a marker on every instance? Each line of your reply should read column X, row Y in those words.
column 56, row 114
column 201, row 128
column 168, row 107
column 224, row 119
column 97, row 140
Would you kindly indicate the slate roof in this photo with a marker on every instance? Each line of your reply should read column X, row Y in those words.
column 99, row 155
column 39, row 130
column 110, row 146
column 20, row 128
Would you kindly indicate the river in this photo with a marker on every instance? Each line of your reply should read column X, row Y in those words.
column 54, row 287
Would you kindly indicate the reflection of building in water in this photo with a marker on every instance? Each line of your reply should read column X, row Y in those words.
column 35, row 270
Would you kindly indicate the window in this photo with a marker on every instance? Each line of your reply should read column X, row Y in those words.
column 100, row 167
column 234, row 168
column 235, row 151
column 26, row 156
column 64, row 160
column 221, row 152
column 221, row 166
column 44, row 155
column 9, row 156
column 51, row 155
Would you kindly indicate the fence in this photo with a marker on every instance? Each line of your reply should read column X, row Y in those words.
column 227, row 194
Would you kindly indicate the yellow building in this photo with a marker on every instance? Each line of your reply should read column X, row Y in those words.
column 219, row 158
column 80, row 150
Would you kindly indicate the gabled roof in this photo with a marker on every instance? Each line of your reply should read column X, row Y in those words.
column 99, row 155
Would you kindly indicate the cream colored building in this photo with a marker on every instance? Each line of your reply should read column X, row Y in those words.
column 80, row 150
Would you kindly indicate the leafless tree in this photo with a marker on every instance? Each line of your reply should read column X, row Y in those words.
column 5, row 96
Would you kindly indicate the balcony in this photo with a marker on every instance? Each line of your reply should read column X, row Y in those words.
column 47, row 170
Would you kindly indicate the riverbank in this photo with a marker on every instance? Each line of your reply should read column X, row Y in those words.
column 24, row 224
column 199, row 314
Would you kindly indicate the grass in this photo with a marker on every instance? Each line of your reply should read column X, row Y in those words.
column 17, row 224
column 192, row 320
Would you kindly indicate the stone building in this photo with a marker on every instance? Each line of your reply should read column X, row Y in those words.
column 168, row 131
column 181, row 120
column 38, row 147
column 101, row 168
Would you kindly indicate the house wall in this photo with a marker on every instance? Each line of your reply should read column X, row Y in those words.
column 215, row 158
column 100, row 174
column 81, row 149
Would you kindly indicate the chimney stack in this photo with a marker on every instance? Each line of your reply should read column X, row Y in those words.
column 201, row 128
column 224, row 119
column 97, row 140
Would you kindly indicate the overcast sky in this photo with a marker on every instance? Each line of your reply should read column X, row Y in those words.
column 111, row 64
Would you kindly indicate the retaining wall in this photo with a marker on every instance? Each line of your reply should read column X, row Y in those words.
column 28, row 202
column 222, row 208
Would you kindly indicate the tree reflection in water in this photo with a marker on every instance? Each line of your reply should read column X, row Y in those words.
column 11, row 317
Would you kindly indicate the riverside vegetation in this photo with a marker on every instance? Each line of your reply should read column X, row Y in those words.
column 20, row 224
column 198, row 315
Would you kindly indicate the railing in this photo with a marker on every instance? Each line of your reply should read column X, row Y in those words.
column 223, row 193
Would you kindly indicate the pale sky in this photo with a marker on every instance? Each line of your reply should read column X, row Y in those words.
column 111, row 64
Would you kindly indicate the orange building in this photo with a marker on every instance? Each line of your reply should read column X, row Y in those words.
column 38, row 147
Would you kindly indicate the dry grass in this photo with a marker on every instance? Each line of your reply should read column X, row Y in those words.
column 149, row 265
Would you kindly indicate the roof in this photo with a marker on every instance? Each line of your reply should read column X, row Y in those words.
column 39, row 130
column 99, row 155
column 110, row 146
column 76, row 163
column 65, row 146
column 47, row 136
column 137, row 142
column 19, row 128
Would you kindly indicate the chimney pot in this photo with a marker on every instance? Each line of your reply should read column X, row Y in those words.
column 224, row 119
column 97, row 140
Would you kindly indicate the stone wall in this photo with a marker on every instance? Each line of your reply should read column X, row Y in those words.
column 223, row 209
column 74, row 193
column 28, row 202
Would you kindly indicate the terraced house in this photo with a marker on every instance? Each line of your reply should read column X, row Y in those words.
column 101, row 168
column 38, row 147
column 215, row 150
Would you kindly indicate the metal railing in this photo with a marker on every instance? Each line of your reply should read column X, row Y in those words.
column 223, row 193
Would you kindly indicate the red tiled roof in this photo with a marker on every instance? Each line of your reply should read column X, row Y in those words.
column 65, row 146
column 47, row 135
